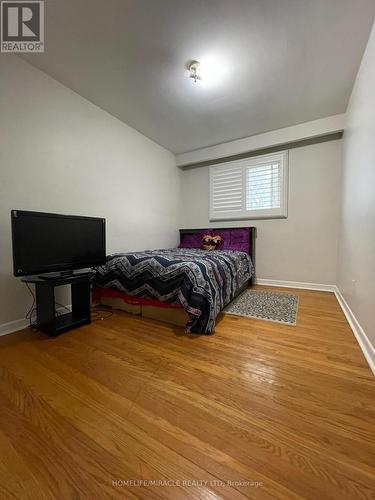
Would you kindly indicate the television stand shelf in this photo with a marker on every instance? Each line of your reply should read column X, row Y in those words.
column 47, row 319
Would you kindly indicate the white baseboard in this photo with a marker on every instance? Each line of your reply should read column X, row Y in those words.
column 20, row 324
column 296, row 284
column 13, row 326
column 367, row 348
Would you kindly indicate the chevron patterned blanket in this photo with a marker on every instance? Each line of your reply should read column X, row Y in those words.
column 202, row 282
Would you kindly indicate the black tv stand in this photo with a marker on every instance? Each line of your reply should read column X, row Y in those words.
column 65, row 274
column 47, row 319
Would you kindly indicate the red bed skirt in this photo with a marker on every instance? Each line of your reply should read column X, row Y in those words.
column 99, row 293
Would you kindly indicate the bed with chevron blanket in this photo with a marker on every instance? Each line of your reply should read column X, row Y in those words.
column 199, row 281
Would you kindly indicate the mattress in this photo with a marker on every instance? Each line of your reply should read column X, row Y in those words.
column 199, row 281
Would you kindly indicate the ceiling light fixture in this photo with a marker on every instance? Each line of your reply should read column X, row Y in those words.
column 209, row 72
column 194, row 71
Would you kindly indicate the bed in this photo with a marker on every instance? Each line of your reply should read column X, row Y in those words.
column 183, row 286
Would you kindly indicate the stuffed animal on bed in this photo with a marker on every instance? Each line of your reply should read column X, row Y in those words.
column 211, row 242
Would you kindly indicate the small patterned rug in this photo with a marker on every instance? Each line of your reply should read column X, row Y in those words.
column 270, row 306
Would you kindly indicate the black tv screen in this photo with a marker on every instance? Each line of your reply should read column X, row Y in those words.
column 44, row 243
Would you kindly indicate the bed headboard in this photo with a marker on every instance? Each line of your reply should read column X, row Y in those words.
column 252, row 236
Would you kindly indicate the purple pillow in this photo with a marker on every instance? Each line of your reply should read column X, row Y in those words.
column 193, row 240
column 234, row 239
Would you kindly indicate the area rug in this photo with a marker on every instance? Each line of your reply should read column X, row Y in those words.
column 270, row 306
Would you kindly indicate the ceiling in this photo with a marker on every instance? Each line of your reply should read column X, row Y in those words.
column 282, row 62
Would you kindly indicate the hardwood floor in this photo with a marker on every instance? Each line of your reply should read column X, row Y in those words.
column 289, row 408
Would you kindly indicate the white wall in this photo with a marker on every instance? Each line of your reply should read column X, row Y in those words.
column 302, row 247
column 60, row 153
column 356, row 266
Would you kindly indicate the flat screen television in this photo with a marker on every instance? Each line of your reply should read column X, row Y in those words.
column 45, row 243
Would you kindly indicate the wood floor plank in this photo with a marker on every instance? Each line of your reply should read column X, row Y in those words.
column 257, row 410
column 119, row 437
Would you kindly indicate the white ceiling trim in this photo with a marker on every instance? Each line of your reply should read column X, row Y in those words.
column 307, row 130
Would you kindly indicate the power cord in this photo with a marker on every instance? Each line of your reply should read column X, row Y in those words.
column 31, row 311
column 96, row 316
column 62, row 307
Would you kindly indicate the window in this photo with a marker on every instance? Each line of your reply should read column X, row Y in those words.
column 253, row 188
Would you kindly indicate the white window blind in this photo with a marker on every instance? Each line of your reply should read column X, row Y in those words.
column 227, row 190
column 253, row 188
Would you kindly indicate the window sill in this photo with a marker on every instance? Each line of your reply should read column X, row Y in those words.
column 259, row 217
